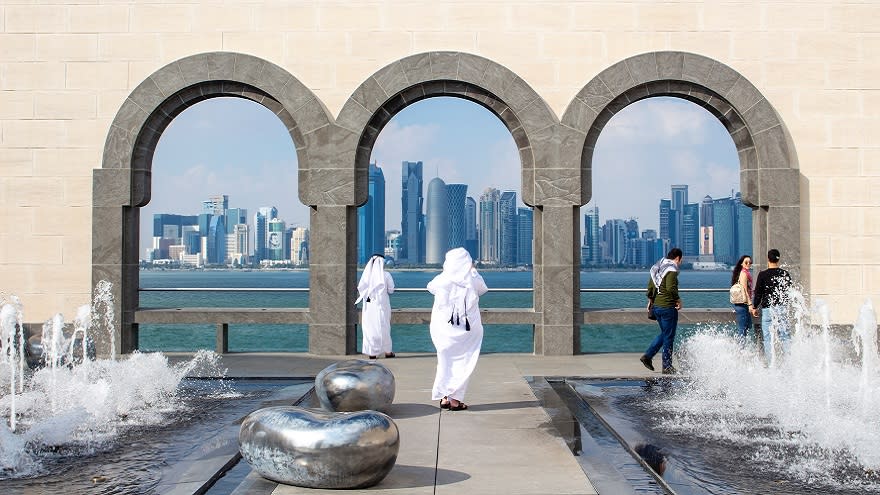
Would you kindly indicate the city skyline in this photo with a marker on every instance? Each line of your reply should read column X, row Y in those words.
column 235, row 147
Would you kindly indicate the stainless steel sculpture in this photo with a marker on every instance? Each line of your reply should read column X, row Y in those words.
column 355, row 385
column 319, row 449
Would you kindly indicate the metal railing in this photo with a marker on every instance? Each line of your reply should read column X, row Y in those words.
column 223, row 317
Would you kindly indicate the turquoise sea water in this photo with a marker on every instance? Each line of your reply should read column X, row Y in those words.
column 406, row 338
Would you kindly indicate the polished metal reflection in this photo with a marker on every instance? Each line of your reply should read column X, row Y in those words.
column 355, row 385
column 34, row 350
column 319, row 449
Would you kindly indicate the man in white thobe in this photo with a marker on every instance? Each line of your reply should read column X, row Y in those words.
column 373, row 289
column 456, row 328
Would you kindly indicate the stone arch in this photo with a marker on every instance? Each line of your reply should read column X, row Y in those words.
column 769, row 175
column 122, row 185
column 552, row 190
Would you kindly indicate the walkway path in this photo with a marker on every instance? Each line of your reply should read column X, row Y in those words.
column 505, row 443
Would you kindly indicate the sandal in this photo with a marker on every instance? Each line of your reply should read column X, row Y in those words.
column 444, row 405
column 390, row 355
column 374, row 357
column 460, row 407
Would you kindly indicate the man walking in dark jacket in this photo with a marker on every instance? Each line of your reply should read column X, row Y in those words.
column 663, row 304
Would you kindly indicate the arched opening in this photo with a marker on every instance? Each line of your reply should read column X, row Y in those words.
column 222, row 215
column 444, row 174
column 124, row 183
column 666, row 174
column 769, row 179
column 533, row 127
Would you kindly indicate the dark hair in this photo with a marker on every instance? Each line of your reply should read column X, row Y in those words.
column 738, row 268
column 773, row 255
column 379, row 255
column 652, row 455
column 674, row 253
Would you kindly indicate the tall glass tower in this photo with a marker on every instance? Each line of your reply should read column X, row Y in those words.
column 412, row 220
column 436, row 222
column 456, row 195
column 471, row 236
column 371, row 217
column 592, row 237
column 690, row 230
column 524, row 236
column 507, row 207
column 490, row 226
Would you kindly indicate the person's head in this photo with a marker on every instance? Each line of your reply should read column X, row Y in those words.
column 773, row 256
column 745, row 261
column 653, row 456
column 458, row 263
column 675, row 255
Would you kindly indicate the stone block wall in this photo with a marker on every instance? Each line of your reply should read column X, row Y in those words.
column 68, row 67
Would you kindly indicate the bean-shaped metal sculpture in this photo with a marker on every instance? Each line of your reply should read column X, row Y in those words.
column 355, row 385
column 319, row 449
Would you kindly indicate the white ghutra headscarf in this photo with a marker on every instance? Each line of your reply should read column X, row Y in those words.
column 373, row 279
column 454, row 288
column 660, row 269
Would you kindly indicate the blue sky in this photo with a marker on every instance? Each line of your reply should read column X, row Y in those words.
column 239, row 148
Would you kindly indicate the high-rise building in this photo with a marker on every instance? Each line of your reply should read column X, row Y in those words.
column 299, row 246
column 235, row 216
column 471, row 234
column 456, row 194
column 412, row 218
column 724, row 226
column 743, row 227
column 275, row 240
column 237, row 244
column 690, row 231
column 215, row 241
column 216, row 205
column 261, row 231
column 590, row 253
column 371, row 217
column 525, row 236
column 490, row 226
column 707, row 232
column 507, row 214
column 665, row 209
column 436, row 222
column 614, row 235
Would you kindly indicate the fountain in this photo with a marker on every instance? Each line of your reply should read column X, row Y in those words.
column 802, row 422
column 72, row 404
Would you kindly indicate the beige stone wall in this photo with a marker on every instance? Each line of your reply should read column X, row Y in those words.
column 66, row 67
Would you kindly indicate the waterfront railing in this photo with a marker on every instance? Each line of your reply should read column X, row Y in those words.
column 223, row 317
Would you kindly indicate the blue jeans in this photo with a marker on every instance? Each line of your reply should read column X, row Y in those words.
column 774, row 320
column 667, row 318
column 743, row 320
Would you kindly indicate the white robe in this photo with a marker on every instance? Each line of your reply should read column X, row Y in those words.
column 457, row 348
column 375, row 284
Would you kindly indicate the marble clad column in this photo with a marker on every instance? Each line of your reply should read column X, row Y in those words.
column 558, row 277
column 333, row 267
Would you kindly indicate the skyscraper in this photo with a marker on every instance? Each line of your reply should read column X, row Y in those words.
column 665, row 209
column 490, row 226
column 436, row 222
column 261, row 231
column 525, row 236
column 412, row 220
column 371, row 217
column 456, row 194
column 471, row 235
column 590, row 254
column 707, row 233
column 690, row 230
column 216, row 205
column 299, row 246
column 216, row 240
column 743, row 227
column 507, row 214
column 275, row 240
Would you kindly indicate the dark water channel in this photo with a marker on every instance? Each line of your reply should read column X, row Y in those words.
column 198, row 439
column 615, row 415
